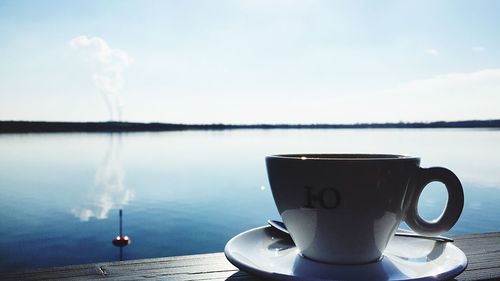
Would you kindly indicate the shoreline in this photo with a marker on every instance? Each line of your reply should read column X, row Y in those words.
column 7, row 127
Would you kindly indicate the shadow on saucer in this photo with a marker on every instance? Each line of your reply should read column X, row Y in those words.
column 306, row 267
column 428, row 251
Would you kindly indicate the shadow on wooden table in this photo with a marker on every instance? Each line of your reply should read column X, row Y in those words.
column 243, row 276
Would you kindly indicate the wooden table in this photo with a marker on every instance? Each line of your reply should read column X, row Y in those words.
column 482, row 250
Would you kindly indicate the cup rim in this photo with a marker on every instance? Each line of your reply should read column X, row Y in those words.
column 343, row 157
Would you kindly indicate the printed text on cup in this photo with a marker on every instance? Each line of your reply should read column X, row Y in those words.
column 326, row 198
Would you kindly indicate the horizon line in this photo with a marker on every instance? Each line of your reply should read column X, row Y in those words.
column 7, row 127
column 252, row 124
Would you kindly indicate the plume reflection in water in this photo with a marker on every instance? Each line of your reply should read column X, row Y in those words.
column 109, row 190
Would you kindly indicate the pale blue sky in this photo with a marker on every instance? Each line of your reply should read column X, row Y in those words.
column 252, row 61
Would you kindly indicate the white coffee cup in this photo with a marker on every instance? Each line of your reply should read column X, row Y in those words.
column 344, row 208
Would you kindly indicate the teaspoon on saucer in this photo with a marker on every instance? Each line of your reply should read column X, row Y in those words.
column 281, row 227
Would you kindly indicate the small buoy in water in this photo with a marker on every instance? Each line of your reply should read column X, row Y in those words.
column 121, row 240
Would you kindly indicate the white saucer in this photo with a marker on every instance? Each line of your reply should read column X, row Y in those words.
column 271, row 254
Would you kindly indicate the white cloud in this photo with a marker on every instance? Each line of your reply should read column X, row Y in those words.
column 432, row 52
column 477, row 49
column 459, row 82
column 452, row 96
column 266, row 4
column 98, row 50
column 109, row 64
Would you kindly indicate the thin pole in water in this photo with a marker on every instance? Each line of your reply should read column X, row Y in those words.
column 121, row 214
column 121, row 240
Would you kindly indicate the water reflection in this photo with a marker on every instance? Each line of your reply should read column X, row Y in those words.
column 109, row 190
column 194, row 190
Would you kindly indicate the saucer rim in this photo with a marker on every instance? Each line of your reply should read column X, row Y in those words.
column 280, row 276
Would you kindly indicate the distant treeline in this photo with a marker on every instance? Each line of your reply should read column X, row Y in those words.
column 59, row 127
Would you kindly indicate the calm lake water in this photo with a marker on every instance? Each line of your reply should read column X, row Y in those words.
column 190, row 192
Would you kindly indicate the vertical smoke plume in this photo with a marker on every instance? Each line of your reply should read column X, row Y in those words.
column 109, row 190
column 108, row 65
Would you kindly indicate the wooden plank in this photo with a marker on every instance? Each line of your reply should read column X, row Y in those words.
column 482, row 250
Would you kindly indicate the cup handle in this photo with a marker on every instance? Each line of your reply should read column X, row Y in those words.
column 453, row 208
